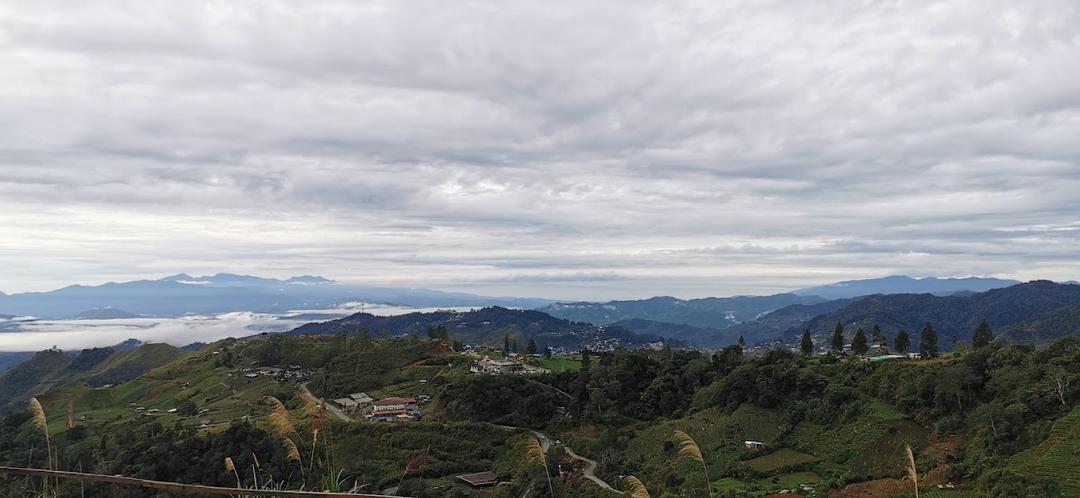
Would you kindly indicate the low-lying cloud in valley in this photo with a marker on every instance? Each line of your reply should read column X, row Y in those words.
column 71, row 335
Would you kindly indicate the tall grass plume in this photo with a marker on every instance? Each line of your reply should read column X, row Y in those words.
column 689, row 450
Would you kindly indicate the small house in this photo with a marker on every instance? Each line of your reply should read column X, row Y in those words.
column 347, row 405
column 755, row 445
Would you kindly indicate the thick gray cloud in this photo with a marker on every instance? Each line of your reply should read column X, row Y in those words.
column 606, row 149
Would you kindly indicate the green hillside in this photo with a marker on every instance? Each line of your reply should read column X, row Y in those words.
column 1057, row 457
column 51, row 369
column 1044, row 329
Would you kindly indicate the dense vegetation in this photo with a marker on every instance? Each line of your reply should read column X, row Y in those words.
column 485, row 326
column 709, row 312
column 991, row 419
column 49, row 369
column 953, row 316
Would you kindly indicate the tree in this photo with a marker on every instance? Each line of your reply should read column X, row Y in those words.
column 879, row 338
column 928, row 345
column 983, row 336
column 586, row 360
column 506, row 344
column 858, row 343
column 531, row 348
column 742, row 342
column 547, row 352
column 838, row 337
column 807, row 343
column 902, row 341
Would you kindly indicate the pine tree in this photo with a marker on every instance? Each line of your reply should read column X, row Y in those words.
column 586, row 360
column 983, row 336
column 858, row 343
column 879, row 338
column 928, row 345
column 807, row 344
column 531, row 348
column 902, row 341
column 742, row 342
column 838, row 337
column 506, row 344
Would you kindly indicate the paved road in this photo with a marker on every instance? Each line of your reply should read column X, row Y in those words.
column 329, row 407
column 589, row 472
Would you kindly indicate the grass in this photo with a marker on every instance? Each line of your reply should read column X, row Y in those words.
column 1055, row 458
column 780, row 459
column 884, row 411
column 795, row 479
column 561, row 364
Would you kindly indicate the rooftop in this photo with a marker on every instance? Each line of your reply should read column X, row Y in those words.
column 480, row 479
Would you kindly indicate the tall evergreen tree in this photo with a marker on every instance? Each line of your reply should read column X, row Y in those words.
column 983, row 336
column 928, row 345
column 858, row 343
column 586, row 360
column 506, row 344
column 742, row 342
column 902, row 341
column 807, row 344
column 838, row 337
column 531, row 348
column 879, row 338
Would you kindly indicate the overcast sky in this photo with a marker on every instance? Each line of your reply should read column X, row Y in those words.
column 553, row 149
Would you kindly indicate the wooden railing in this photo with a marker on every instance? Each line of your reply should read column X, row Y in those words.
column 176, row 487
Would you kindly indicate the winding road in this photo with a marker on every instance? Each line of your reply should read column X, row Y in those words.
column 329, row 407
column 589, row 472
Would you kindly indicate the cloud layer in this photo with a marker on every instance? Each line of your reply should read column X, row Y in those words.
column 614, row 149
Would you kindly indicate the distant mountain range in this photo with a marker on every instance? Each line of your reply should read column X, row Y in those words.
column 709, row 312
column 951, row 316
column 490, row 326
column 181, row 294
column 904, row 285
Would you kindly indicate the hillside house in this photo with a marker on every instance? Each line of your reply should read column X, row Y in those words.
column 755, row 445
column 394, row 408
column 347, row 405
column 363, row 401
column 503, row 367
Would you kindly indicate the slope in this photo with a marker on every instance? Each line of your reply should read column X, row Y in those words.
column 488, row 326
column 1043, row 329
column 1055, row 458
column 952, row 316
column 710, row 312
column 899, row 284
column 50, row 369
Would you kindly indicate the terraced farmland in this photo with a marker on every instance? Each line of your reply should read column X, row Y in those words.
column 1057, row 457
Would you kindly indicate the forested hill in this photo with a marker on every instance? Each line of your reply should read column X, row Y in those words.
column 710, row 312
column 952, row 315
column 1044, row 329
column 488, row 326
column 96, row 367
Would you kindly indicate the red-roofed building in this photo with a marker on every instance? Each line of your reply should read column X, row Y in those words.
column 393, row 408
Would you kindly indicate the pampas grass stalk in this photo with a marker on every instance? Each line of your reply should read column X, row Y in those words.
column 689, row 450
column 534, row 453
column 280, row 421
column 42, row 423
column 71, row 414
column 231, row 467
column 636, row 488
column 912, row 471
column 293, row 453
